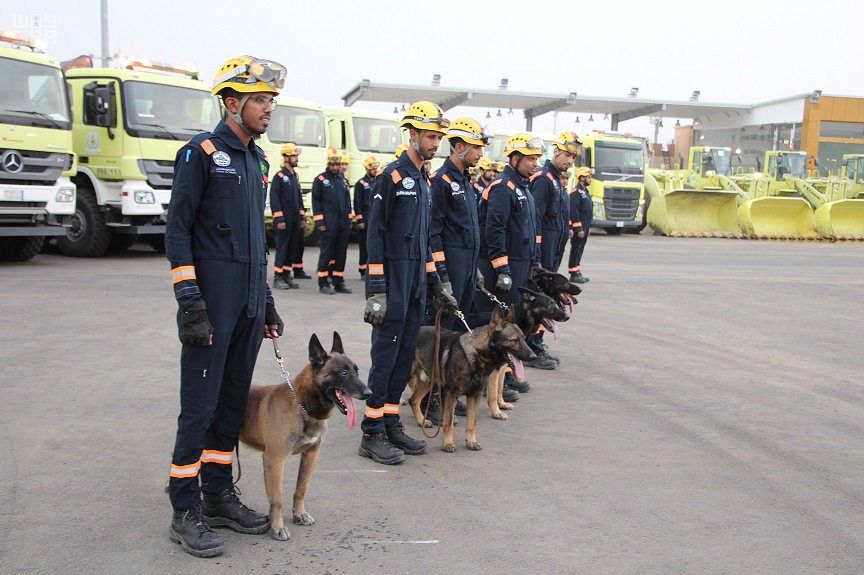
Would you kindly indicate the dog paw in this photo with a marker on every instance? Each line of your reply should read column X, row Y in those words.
column 505, row 405
column 499, row 415
column 281, row 534
column 473, row 445
column 449, row 447
column 304, row 519
column 425, row 423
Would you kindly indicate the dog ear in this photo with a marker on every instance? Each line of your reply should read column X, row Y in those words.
column 532, row 285
column 337, row 344
column 511, row 315
column 527, row 294
column 495, row 320
column 317, row 354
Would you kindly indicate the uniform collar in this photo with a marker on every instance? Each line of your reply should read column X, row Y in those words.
column 551, row 167
column 450, row 167
column 406, row 166
column 514, row 175
column 230, row 138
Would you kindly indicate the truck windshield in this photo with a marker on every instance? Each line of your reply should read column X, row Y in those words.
column 33, row 95
column 717, row 160
column 301, row 126
column 619, row 161
column 374, row 135
column 794, row 165
column 168, row 112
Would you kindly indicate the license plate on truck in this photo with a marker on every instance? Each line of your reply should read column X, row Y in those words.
column 619, row 224
column 13, row 195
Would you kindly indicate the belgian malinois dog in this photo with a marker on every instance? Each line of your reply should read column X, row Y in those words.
column 468, row 362
column 282, row 423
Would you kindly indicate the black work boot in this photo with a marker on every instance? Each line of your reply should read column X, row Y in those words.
column 513, row 383
column 190, row 530
column 578, row 278
column 340, row 287
column 542, row 361
column 226, row 510
column 434, row 414
column 326, row 288
column 280, row 283
column 509, row 394
column 378, row 448
column 549, row 355
column 397, row 436
column 301, row 275
column 291, row 283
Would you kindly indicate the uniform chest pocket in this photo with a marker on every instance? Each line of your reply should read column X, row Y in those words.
column 225, row 185
column 519, row 205
column 405, row 204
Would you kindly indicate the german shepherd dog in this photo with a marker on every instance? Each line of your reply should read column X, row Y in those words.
column 558, row 287
column 281, row 423
column 467, row 362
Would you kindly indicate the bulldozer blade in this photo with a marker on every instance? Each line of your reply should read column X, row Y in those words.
column 777, row 218
column 841, row 220
column 702, row 213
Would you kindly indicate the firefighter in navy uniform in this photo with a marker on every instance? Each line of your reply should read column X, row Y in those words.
column 455, row 228
column 215, row 242
column 400, row 270
column 581, row 214
column 362, row 195
column 331, row 203
column 486, row 173
column 289, row 217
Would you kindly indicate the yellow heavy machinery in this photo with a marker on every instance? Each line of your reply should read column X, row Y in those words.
column 701, row 200
column 781, row 203
column 841, row 216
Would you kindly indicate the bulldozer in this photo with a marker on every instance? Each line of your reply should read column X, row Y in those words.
column 701, row 200
column 783, row 204
column 841, row 215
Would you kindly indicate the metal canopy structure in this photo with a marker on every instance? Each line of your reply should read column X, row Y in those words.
column 536, row 104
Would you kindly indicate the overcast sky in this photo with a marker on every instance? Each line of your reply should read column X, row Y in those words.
column 731, row 50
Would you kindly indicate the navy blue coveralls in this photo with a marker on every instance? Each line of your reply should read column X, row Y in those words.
column 400, row 265
column 509, row 242
column 215, row 242
column 331, row 203
column 581, row 214
column 454, row 234
column 553, row 215
column 362, row 195
column 286, row 204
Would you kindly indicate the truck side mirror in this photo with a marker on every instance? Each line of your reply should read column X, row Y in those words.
column 99, row 106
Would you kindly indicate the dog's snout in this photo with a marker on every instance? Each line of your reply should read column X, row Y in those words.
column 366, row 393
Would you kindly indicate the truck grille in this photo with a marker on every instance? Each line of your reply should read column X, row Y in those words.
column 160, row 173
column 620, row 203
column 37, row 168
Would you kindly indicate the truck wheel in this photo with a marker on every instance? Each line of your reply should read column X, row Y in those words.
column 88, row 237
column 20, row 249
column 156, row 241
column 614, row 231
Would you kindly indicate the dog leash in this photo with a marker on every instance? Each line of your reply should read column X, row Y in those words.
column 492, row 297
column 286, row 377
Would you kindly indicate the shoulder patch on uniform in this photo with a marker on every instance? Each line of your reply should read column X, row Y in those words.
column 208, row 146
column 396, row 176
column 511, row 185
column 447, row 178
column 320, row 178
column 362, row 182
column 534, row 176
column 550, row 176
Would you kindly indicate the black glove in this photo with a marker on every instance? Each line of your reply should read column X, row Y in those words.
column 444, row 297
column 504, row 282
column 272, row 318
column 479, row 282
column 195, row 326
column 376, row 309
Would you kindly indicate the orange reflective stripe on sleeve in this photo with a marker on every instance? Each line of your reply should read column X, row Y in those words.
column 511, row 185
column 374, row 412
column 278, row 214
column 391, row 409
column 446, row 178
column 358, row 217
column 318, row 217
column 538, row 239
column 182, row 273
column 208, row 147
column 376, row 269
column 577, row 224
column 430, row 267
column 302, row 212
column 185, row 471
column 499, row 262
column 438, row 256
column 213, row 456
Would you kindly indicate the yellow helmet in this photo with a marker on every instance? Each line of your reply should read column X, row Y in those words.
column 346, row 159
column 485, row 164
column 499, row 166
column 334, row 155
column 399, row 150
column 582, row 171
column 246, row 74
column 371, row 163
column 290, row 149
column 525, row 144
column 567, row 142
column 425, row 116
column 470, row 131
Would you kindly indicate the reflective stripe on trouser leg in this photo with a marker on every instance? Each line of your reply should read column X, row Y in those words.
column 282, row 257
column 223, row 434
column 324, row 256
column 340, row 249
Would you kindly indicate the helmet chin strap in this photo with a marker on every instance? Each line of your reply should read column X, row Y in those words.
column 238, row 117
column 416, row 145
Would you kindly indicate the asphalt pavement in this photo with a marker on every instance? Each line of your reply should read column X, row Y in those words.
column 707, row 418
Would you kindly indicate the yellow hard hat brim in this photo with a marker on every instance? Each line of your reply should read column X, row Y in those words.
column 245, row 88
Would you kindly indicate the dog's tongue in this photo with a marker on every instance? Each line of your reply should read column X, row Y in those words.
column 350, row 408
column 518, row 368
column 554, row 329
